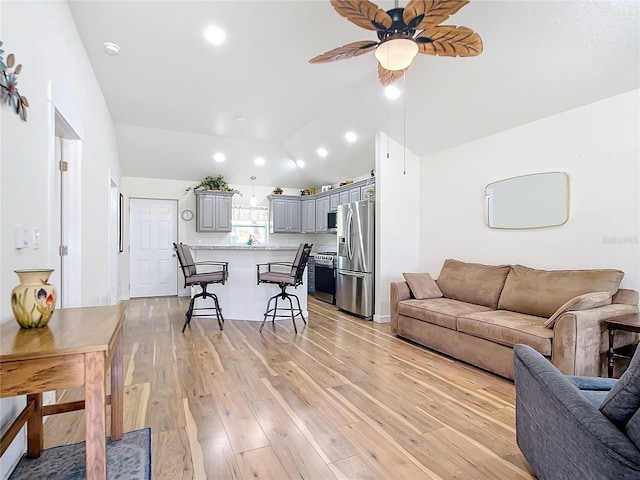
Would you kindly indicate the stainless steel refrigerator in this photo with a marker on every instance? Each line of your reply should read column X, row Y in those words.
column 356, row 254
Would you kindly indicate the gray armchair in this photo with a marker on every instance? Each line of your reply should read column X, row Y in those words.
column 577, row 427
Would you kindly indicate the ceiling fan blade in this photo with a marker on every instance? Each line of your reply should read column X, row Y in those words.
column 363, row 13
column 434, row 11
column 387, row 77
column 349, row 50
column 449, row 41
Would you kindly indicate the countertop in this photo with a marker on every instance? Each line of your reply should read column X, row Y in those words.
column 291, row 248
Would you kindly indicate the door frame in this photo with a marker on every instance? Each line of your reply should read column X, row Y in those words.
column 69, row 146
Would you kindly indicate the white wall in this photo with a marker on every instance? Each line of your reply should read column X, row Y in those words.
column 596, row 145
column 45, row 41
column 137, row 187
column 398, row 207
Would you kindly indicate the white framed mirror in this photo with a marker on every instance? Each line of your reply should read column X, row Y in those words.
column 530, row 201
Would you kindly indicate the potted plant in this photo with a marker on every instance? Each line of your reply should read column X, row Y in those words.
column 214, row 183
column 277, row 191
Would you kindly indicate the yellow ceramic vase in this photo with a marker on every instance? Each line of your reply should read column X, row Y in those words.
column 34, row 300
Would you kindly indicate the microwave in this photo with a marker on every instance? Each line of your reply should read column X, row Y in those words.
column 332, row 220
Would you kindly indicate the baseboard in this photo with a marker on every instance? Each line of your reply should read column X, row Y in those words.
column 382, row 318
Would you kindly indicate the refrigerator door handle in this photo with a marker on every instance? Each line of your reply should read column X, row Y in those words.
column 349, row 274
column 349, row 235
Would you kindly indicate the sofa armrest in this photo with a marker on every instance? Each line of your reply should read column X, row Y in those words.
column 579, row 337
column 399, row 291
column 625, row 295
column 561, row 434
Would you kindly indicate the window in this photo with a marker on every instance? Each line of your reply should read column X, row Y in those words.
column 249, row 225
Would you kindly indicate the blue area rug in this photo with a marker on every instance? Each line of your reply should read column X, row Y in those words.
column 127, row 459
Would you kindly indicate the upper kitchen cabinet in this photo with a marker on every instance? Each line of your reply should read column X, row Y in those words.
column 334, row 201
column 322, row 208
column 308, row 216
column 213, row 211
column 285, row 214
column 354, row 194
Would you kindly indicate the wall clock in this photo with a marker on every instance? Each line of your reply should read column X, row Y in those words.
column 187, row 215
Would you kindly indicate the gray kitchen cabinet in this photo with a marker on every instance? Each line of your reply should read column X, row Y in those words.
column 323, row 205
column 334, row 201
column 213, row 211
column 285, row 214
column 344, row 197
column 311, row 275
column 354, row 194
column 308, row 216
column 364, row 189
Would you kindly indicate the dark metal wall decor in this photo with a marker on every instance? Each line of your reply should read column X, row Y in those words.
column 9, row 93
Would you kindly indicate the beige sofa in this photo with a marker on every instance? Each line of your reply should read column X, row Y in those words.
column 477, row 313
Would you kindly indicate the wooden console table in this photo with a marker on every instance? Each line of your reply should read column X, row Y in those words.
column 76, row 348
column 627, row 323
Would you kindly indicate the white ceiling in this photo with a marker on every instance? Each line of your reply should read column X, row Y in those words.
column 174, row 97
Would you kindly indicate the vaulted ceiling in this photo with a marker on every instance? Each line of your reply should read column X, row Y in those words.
column 175, row 98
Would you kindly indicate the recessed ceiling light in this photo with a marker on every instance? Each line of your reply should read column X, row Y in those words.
column 300, row 163
column 240, row 118
column 259, row 161
column 351, row 137
column 215, row 35
column 392, row 92
column 322, row 152
column 111, row 48
column 219, row 157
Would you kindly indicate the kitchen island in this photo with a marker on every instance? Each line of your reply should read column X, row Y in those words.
column 241, row 298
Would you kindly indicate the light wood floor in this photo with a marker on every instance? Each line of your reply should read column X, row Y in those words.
column 342, row 399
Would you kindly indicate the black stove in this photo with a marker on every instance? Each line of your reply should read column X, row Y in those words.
column 325, row 276
column 326, row 259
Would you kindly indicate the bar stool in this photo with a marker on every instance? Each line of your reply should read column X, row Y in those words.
column 215, row 272
column 285, row 275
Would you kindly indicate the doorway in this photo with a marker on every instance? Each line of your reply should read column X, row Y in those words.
column 66, row 226
column 153, row 228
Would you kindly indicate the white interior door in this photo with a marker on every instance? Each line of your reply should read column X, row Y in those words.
column 153, row 265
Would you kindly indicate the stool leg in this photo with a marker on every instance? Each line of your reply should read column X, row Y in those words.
column 299, row 308
column 218, row 310
column 188, row 315
column 266, row 313
column 293, row 317
column 275, row 310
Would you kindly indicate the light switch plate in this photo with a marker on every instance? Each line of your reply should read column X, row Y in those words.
column 22, row 237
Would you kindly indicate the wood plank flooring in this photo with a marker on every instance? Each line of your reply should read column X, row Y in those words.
column 342, row 399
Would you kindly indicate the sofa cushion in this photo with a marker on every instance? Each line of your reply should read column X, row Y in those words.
column 581, row 302
column 472, row 282
column 422, row 285
column 633, row 429
column 542, row 292
column 594, row 389
column 439, row 311
column 623, row 400
column 508, row 328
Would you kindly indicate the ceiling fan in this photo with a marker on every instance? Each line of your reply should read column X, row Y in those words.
column 403, row 33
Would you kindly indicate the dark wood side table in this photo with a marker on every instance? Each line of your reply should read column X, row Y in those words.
column 627, row 323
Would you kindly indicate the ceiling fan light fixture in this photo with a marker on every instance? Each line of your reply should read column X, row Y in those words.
column 396, row 53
